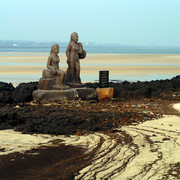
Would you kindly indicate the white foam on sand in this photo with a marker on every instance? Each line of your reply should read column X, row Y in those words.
column 177, row 106
column 12, row 141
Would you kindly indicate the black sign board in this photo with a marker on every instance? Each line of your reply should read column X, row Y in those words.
column 103, row 79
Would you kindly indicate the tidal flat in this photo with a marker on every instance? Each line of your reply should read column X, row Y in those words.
column 23, row 67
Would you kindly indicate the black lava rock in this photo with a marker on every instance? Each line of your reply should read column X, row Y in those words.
column 23, row 92
column 6, row 91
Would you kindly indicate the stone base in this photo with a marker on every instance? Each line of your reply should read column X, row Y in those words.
column 86, row 93
column 57, row 95
column 54, row 95
column 105, row 93
column 75, row 85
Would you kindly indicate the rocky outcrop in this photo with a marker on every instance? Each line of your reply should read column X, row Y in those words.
column 23, row 92
column 163, row 89
column 6, row 91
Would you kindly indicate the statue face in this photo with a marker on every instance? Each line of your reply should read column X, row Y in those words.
column 75, row 37
column 56, row 49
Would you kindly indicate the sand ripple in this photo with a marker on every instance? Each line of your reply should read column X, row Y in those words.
column 144, row 151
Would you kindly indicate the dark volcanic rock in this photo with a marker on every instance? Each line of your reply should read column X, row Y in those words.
column 6, row 87
column 57, row 119
column 6, row 91
column 176, row 81
column 163, row 89
column 23, row 92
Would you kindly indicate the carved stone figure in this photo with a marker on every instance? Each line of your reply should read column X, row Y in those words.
column 74, row 52
column 53, row 77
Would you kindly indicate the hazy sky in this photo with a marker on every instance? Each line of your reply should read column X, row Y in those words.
column 133, row 22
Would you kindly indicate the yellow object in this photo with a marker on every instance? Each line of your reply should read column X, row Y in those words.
column 105, row 93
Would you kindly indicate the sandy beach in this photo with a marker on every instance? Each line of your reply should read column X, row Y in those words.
column 142, row 151
column 32, row 64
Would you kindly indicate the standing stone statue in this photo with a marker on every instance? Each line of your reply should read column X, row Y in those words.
column 74, row 52
column 53, row 77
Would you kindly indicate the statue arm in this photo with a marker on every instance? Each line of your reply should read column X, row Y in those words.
column 67, row 52
column 80, row 48
column 49, row 64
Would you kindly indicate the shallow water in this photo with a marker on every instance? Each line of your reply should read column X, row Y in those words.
column 88, row 78
column 23, row 54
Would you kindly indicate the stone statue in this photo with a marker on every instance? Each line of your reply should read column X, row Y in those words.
column 53, row 77
column 74, row 52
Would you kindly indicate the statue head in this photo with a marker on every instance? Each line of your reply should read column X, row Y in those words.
column 74, row 37
column 55, row 48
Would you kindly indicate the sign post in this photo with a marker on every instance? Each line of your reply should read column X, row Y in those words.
column 104, row 79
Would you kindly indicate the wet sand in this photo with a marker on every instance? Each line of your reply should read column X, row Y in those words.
column 117, row 64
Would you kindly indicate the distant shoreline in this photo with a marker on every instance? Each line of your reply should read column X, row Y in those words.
column 99, row 53
column 29, row 47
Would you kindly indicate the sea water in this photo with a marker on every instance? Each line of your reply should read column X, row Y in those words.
column 17, row 79
column 109, row 49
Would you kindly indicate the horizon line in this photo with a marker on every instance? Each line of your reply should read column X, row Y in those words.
column 91, row 43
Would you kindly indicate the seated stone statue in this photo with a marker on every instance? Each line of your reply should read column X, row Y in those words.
column 53, row 77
